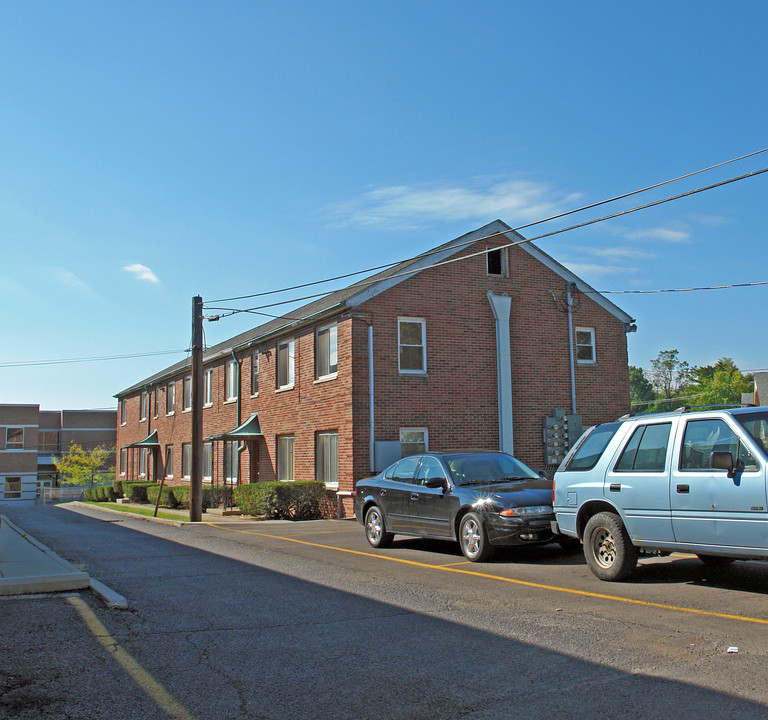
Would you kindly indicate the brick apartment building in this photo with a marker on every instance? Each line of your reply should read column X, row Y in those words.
column 467, row 345
column 30, row 438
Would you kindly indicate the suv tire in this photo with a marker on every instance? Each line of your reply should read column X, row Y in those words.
column 609, row 552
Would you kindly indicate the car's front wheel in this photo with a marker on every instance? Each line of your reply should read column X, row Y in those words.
column 376, row 529
column 609, row 552
column 474, row 539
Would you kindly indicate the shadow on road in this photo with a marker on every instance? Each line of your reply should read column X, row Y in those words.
column 230, row 638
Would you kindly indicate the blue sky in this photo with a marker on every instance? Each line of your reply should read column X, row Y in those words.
column 150, row 152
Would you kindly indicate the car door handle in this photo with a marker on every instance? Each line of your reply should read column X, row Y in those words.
column 615, row 487
column 682, row 489
column 383, row 492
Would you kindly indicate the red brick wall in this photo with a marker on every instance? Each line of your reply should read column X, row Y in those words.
column 456, row 400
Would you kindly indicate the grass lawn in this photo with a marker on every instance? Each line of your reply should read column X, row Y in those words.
column 148, row 511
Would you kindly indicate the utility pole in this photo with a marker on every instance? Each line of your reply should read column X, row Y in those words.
column 196, row 478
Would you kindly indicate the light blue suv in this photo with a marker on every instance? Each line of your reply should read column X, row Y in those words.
column 683, row 481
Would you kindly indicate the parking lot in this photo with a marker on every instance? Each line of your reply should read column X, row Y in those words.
column 305, row 620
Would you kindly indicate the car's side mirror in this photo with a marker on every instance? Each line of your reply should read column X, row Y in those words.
column 436, row 482
column 723, row 460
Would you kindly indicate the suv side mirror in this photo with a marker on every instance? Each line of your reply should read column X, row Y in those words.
column 723, row 460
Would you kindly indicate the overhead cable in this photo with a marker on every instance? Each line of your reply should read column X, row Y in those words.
column 515, row 229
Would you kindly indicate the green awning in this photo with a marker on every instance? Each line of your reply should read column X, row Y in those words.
column 249, row 429
column 148, row 442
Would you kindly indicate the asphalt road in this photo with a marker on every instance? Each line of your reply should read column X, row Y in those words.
column 304, row 620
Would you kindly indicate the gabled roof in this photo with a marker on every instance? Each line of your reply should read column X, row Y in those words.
column 363, row 290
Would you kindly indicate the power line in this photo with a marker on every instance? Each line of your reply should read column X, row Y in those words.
column 515, row 229
column 65, row 361
column 522, row 241
column 681, row 290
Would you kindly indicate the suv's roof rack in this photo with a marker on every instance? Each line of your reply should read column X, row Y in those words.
column 677, row 411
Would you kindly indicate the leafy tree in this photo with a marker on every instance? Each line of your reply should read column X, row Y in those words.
column 669, row 375
column 640, row 389
column 83, row 467
column 720, row 384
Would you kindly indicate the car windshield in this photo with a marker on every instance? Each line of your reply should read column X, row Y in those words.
column 756, row 424
column 485, row 468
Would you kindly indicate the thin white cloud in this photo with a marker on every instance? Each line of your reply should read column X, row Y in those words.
column 619, row 253
column 142, row 272
column 709, row 220
column 587, row 270
column 660, row 233
column 409, row 206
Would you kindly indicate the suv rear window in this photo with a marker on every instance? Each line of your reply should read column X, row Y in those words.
column 591, row 447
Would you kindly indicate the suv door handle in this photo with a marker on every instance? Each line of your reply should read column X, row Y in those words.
column 414, row 496
column 615, row 487
column 383, row 492
column 683, row 489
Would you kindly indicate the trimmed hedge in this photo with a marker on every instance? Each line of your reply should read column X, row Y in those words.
column 167, row 498
column 282, row 500
column 137, row 492
column 100, row 494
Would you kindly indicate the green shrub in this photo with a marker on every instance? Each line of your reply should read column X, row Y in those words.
column 181, row 493
column 109, row 494
column 118, row 485
column 90, row 494
column 137, row 492
column 167, row 497
column 282, row 500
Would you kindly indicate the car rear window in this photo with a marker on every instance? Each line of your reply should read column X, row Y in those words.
column 591, row 447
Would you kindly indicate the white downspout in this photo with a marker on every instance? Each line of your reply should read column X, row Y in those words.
column 570, row 346
column 372, row 414
column 501, row 305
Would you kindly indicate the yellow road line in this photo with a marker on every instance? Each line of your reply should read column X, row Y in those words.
column 513, row 581
column 137, row 673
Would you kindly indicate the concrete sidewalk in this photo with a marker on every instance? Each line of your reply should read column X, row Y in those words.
column 27, row 566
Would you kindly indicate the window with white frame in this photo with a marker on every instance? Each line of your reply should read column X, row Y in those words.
column 585, row 346
column 187, row 392
column 144, row 405
column 123, row 412
column 328, row 457
column 207, row 461
column 326, row 351
column 231, row 461
column 14, row 438
column 285, row 457
column 285, row 362
column 143, row 457
column 208, row 388
column 413, row 441
column 170, row 399
column 12, row 489
column 255, row 373
column 169, row 461
column 497, row 261
column 186, row 460
column 123, row 460
column 230, row 380
column 412, row 345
